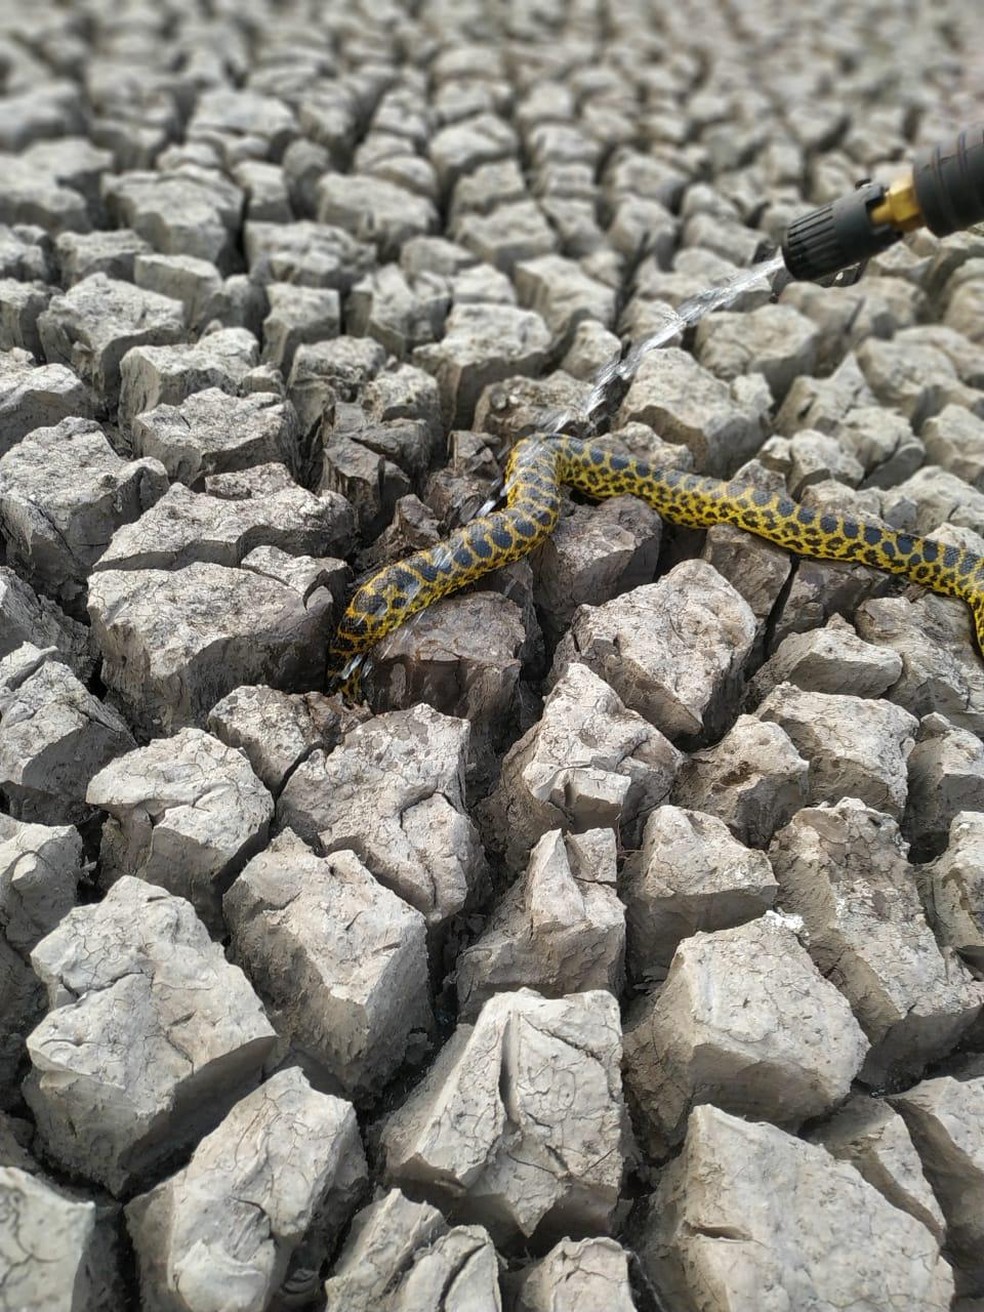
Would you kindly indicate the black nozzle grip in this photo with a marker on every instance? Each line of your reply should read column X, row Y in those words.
column 949, row 182
column 837, row 235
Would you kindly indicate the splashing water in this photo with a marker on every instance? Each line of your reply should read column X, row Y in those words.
column 623, row 370
column 684, row 316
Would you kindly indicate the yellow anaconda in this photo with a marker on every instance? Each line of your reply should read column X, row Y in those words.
column 536, row 469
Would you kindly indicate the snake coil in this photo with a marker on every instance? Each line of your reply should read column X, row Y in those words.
column 537, row 468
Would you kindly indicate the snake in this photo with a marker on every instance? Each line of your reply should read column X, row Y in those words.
column 536, row 470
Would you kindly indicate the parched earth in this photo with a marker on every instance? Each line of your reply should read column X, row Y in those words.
column 626, row 951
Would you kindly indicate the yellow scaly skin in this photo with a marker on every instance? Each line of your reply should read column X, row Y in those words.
column 535, row 471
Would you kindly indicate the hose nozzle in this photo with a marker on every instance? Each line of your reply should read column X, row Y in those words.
column 944, row 191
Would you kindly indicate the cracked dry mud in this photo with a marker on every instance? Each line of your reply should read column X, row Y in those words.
column 627, row 950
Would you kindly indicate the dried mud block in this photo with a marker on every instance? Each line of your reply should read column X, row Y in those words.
column 185, row 813
column 213, row 433
column 871, row 1136
column 595, row 553
column 482, row 344
column 197, row 284
column 36, row 396
column 186, row 526
column 399, row 314
column 952, row 889
column 819, row 590
column 403, row 447
column 674, row 651
column 941, row 671
column 843, row 869
column 748, row 1216
column 93, row 325
column 784, row 1047
column 276, row 730
column 963, row 308
column 330, row 116
column 21, row 304
column 754, row 568
column 818, row 458
column 435, row 255
column 265, row 189
column 374, row 210
column 38, row 113
column 592, row 348
column 690, row 874
column 642, row 226
column 883, row 443
column 403, row 392
column 915, row 379
column 459, row 1271
column 486, row 1134
column 191, row 211
column 856, row 746
column 307, row 254
column 40, row 870
column 955, row 442
column 382, row 1245
column 167, row 375
column 113, row 253
column 828, row 660
column 72, row 160
column 33, row 196
column 560, row 929
column 297, row 316
column 235, row 116
column 370, row 482
column 946, row 776
column 60, row 1250
column 482, row 284
column 724, row 236
column 393, row 792
column 63, row 494
column 239, row 303
column 463, row 657
column 588, row 763
column 151, row 1035
column 824, row 404
column 463, row 147
column 268, row 1190
column 946, row 1120
column 25, row 253
column 54, row 736
column 324, row 372
column 340, row 960
column 27, row 617
column 774, row 340
column 685, row 403
column 634, row 173
column 486, row 189
column 516, row 406
column 173, row 643
column 587, row 1276
column 942, row 498
column 457, row 492
column 563, row 294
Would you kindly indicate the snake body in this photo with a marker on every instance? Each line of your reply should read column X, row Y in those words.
column 536, row 469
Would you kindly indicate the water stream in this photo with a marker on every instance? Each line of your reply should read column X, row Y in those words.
column 618, row 373
column 623, row 370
